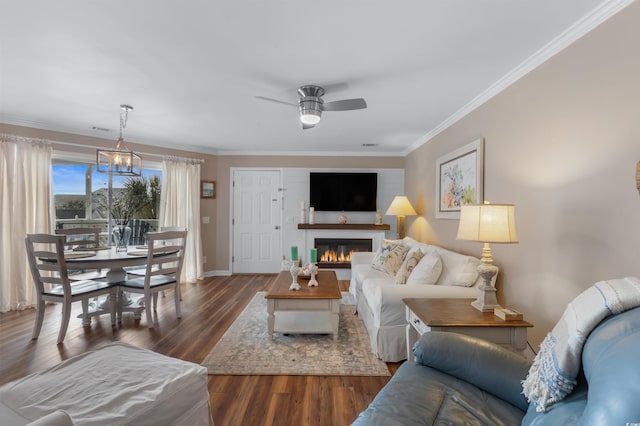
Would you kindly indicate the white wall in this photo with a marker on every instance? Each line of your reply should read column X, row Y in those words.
column 296, row 189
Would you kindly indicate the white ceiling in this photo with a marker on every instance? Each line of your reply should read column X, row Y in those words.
column 192, row 68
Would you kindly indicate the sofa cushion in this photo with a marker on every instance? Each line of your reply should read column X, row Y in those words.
column 419, row 395
column 427, row 271
column 458, row 269
column 411, row 260
column 461, row 356
column 390, row 257
column 363, row 271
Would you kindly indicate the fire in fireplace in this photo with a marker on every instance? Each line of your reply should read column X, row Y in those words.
column 336, row 252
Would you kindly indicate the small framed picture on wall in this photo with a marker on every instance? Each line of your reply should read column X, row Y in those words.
column 207, row 189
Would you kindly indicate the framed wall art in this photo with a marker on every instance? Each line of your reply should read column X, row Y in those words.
column 459, row 179
column 207, row 189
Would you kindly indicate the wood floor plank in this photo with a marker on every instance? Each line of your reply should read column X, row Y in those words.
column 209, row 307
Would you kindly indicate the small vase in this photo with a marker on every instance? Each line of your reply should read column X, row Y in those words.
column 121, row 236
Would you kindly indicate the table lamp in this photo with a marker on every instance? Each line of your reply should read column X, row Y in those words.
column 488, row 223
column 400, row 207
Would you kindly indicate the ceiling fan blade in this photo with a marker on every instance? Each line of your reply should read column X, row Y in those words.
column 276, row 100
column 307, row 126
column 345, row 105
column 335, row 87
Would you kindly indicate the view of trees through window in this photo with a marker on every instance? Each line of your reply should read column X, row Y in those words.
column 82, row 193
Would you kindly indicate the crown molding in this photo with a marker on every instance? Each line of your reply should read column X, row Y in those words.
column 311, row 153
column 582, row 27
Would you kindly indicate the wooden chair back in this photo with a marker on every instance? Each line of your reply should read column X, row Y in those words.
column 165, row 254
column 45, row 253
column 80, row 237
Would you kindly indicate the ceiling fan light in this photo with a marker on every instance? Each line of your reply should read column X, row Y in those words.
column 310, row 117
column 310, row 110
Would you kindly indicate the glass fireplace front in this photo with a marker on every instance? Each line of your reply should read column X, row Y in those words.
column 336, row 252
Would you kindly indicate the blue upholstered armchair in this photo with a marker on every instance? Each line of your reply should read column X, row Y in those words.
column 457, row 379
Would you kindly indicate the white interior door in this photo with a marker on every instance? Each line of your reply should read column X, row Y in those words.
column 256, row 221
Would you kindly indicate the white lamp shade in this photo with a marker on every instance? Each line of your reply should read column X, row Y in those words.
column 489, row 223
column 400, row 206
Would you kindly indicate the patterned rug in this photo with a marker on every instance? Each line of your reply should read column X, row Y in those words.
column 246, row 349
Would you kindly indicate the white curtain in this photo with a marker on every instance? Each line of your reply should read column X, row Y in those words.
column 26, row 199
column 180, row 206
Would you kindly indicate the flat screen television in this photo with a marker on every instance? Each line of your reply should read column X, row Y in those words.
column 337, row 192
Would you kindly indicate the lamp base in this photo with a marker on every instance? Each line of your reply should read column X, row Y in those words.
column 486, row 300
column 400, row 232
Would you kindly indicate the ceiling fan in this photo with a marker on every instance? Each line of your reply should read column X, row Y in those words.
column 310, row 104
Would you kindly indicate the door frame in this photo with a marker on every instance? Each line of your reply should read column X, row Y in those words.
column 232, row 195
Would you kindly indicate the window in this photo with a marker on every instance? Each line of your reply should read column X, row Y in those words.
column 81, row 194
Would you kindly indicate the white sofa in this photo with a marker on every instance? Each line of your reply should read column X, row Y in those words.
column 379, row 297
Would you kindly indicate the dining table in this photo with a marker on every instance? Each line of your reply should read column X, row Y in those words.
column 107, row 258
column 116, row 262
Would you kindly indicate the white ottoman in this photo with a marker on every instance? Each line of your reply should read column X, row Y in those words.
column 116, row 385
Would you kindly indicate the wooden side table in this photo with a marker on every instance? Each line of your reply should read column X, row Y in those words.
column 458, row 316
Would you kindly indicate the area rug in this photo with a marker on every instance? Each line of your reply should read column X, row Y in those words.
column 246, row 349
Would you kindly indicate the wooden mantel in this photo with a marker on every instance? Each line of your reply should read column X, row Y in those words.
column 345, row 226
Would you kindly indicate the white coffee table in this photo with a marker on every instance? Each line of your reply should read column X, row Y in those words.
column 310, row 310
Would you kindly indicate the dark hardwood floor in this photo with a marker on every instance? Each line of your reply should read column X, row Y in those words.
column 209, row 307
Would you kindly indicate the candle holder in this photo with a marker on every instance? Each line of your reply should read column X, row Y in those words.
column 314, row 270
column 295, row 271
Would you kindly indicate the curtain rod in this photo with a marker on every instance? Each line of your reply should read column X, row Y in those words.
column 183, row 159
column 94, row 147
column 151, row 154
column 9, row 137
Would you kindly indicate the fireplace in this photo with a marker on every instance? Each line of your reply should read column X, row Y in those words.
column 336, row 252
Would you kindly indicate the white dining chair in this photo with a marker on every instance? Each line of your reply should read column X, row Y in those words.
column 45, row 253
column 164, row 264
column 139, row 271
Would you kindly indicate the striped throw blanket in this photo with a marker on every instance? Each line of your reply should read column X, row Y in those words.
column 553, row 373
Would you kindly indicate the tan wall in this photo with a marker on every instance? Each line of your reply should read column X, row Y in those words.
column 562, row 145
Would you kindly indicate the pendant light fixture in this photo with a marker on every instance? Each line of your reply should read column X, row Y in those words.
column 120, row 161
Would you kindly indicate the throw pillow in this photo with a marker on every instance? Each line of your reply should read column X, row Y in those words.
column 427, row 271
column 378, row 259
column 410, row 262
column 390, row 257
column 464, row 273
column 381, row 254
column 394, row 259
